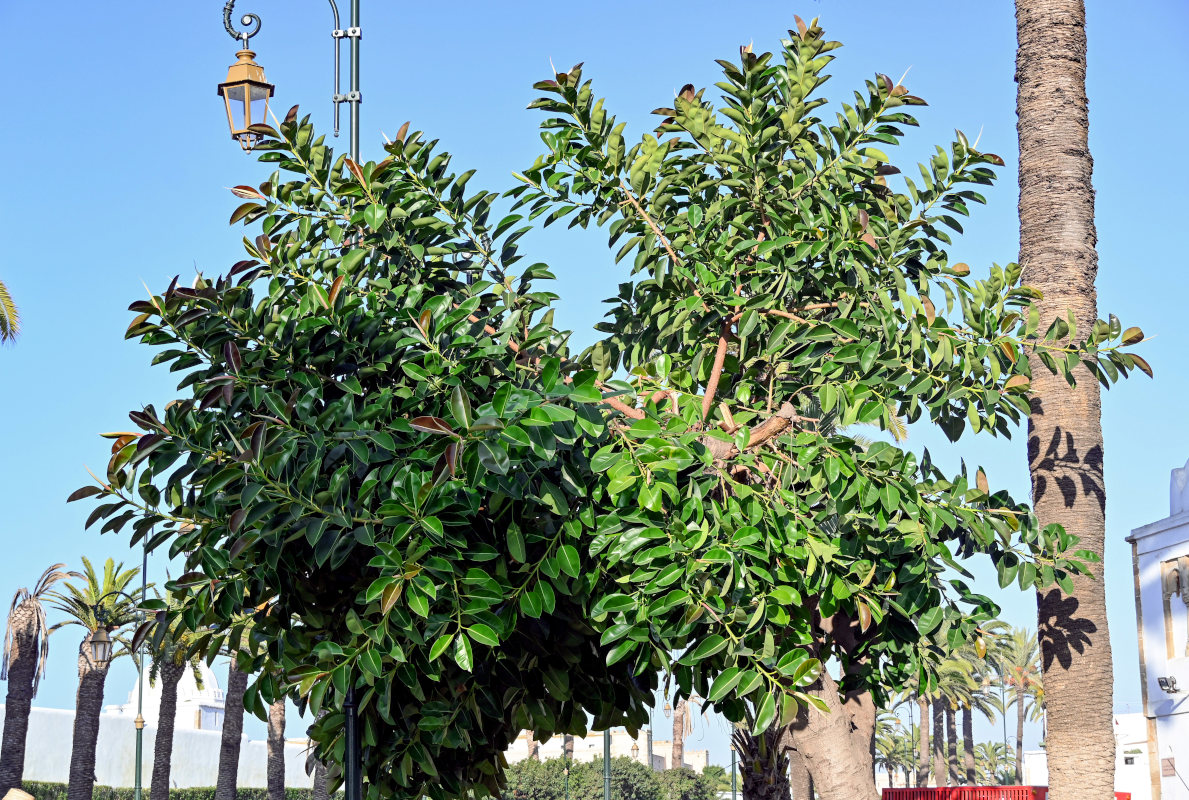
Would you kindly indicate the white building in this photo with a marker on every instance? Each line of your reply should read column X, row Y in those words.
column 1160, row 559
column 590, row 748
column 196, row 739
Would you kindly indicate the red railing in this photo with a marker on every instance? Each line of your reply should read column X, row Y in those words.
column 978, row 793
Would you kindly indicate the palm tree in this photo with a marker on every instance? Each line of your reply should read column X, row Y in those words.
column 680, row 725
column 95, row 603
column 10, row 320
column 1065, row 447
column 953, row 688
column 26, row 648
column 995, row 763
column 980, row 698
column 170, row 658
column 893, row 747
column 276, row 749
column 233, row 732
column 1018, row 662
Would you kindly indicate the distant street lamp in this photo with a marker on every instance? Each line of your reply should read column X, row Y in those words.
column 101, row 647
column 635, row 751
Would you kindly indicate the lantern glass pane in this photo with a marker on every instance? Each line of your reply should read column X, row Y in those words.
column 259, row 105
column 237, row 108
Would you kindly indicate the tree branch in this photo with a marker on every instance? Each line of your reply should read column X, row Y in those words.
column 720, row 357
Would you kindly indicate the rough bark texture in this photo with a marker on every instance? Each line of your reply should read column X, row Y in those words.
column 233, row 731
column 968, row 745
column 22, row 668
column 1020, row 740
column 276, row 750
column 88, row 706
column 169, row 675
column 800, row 781
column 677, row 758
column 838, row 746
column 534, row 747
column 1065, row 450
column 764, row 763
column 951, row 740
column 567, row 745
column 939, row 742
column 923, row 752
column 321, row 787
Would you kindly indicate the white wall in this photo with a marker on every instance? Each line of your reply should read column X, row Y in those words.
column 195, row 760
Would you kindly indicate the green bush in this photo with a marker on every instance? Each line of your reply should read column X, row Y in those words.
column 57, row 791
column 630, row 780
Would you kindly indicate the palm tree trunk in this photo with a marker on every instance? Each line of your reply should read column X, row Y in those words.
column 321, row 788
column 764, row 764
column 951, row 740
column 169, row 675
column 22, row 668
column 968, row 745
column 1065, row 447
column 88, row 705
column 1020, row 740
column 938, row 742
column 923, row 751
column 276, row 750
column 677, row 759
column 233, row 731
column 534, row 747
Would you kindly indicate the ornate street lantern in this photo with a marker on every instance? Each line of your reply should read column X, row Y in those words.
column 100, row 647
column 245, row 94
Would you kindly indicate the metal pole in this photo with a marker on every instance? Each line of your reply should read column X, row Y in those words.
column 912, row 734
column 732, row 772
column 353, row 757
column 607, row 764
column 144, row 568
column 355, row 97
column 1003, row 711
column 650, row 739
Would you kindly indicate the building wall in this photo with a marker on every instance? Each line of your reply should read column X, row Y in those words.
column 195, row 762
column 1161, row 549
column 590, row 748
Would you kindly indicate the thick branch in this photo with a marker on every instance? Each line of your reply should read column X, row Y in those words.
column 720, row 356
column 770, row 428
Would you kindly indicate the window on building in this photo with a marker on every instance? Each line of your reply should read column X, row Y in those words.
column 1174, row 584
column 210, row 719
column 1128, row 760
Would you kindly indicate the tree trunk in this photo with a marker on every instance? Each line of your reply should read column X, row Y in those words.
column 276, row 750
column 22, row 669
column 923, row 751
column 169, row 675
column 567, row 746
column 951, row 741
column 939, row 742
column 321, row 788
column 837, row 745
column 1065, row 448
column 534, row 747
column 233, row 731
column 1020, row 739
column 800, row 781
column 968, row 745
column 87, row 708
column 764, row 763
column 677, row 759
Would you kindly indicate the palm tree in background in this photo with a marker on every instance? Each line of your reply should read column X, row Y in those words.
column 893, row 747
column 170, row 657
column 276, row 749
column 233, row 731
column 26, row 648
column 1017, row 661
column 994, row 762
column 92, row 604
column 10, row 319
column 981, row 697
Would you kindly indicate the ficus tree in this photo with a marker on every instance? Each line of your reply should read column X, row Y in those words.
column 385, row 452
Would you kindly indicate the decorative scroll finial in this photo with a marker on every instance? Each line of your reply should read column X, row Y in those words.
column 246, row 19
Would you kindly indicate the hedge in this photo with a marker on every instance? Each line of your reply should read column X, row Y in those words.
column 57, row 791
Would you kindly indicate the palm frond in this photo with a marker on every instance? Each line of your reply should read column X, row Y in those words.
column 10, row 318
column 41, row 631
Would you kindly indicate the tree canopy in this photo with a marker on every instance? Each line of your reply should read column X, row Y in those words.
column 385, row 457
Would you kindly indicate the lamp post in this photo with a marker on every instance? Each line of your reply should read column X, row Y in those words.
column 732, row 771
column 650, row 710
column 607, row 764
column 101, row 647
column 246, row 93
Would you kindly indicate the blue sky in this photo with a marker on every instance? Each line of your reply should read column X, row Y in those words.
column 119, row 159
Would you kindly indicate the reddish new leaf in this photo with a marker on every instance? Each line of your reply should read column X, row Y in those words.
column 431, row 425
